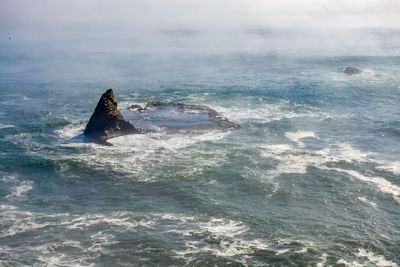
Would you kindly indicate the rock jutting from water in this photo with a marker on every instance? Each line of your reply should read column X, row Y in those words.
column 352, row 70
column 108, row 121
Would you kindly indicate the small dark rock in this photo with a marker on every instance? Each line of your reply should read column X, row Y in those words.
column 154, row 104
column 352, row 70
column 136, row 107
column 107, row 121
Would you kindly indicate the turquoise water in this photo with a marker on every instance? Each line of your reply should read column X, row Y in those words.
column 312, row 178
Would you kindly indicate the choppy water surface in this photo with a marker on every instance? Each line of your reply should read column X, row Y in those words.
column 312, row 178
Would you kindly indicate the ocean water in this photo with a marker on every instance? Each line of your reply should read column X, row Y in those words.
column 312, row 178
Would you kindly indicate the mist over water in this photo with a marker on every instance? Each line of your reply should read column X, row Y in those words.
column 312, row 177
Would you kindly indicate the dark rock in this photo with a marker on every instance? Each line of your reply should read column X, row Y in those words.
column 107, row 120
column 352, row 70
column 154, row 104
column 136, row 107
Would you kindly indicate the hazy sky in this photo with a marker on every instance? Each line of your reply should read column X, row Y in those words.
column 201, row 13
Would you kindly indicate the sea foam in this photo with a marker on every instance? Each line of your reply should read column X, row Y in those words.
column 378, row 260
column 5, row 126
column 21, row 189
column 297, row 161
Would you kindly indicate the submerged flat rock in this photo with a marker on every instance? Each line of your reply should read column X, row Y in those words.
column 170, row 117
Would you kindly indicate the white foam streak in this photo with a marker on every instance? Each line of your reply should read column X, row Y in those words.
column 84, row 222
column 297, row 161
column 292, row 160
column 100, row 241
column 70, row 131
column 267, row 112
column 348, row 153
column 349, row 264
column 393, row 167
column 222, row 227
column 369, row 202
column 378, row 260
column 282, row 251
column 177, row 217
column 323, row 261
column 217, row 236
column 137, row 154
column 6, row 126
column 9, row 178
column 297, row 136
column 229, row 236
column 21, row 189
column 380, row 182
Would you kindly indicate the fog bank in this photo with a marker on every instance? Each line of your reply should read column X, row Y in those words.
column 200, row 15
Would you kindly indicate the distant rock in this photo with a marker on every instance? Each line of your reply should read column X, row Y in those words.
column 107, row 120
column 352, row 70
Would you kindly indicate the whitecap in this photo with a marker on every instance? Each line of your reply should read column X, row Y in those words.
column 17, row 221
column 229, row 233
column 369, row 202
column 268, row 112
column 177, row 217
column 381, row 183
column 9, row 178
column 24, row 225
column 71, row 130
column 282, row 251
column 5, row 126
column 393, row 167
column 323, row 260
column 223, row 227
column 346, row 152
column 349, row 264
column 101, row 241
column 121, row 220
column 138, row 154
column 21, row 189
column 60, row 260
column 378, row 260
column 297, row 136
column 159, row 140
column 297, row 160
column 50, row 257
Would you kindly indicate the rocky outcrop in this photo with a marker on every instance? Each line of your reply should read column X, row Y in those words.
column 352, row 70
column 107, row 121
